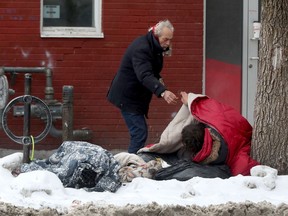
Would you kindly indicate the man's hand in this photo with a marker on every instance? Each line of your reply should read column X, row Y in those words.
column 170, row 97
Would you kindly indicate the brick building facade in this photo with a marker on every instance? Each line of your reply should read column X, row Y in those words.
column 89, row 64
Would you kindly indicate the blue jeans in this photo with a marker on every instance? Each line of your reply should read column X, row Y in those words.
column 138, row 130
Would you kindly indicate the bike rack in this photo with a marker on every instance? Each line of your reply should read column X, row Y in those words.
column 26, row 140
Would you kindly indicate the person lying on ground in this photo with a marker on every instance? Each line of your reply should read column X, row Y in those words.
column 225, row 136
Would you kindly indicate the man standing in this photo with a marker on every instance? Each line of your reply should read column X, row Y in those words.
column 138, row 78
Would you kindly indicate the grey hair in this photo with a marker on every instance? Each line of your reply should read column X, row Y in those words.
column 160, row 25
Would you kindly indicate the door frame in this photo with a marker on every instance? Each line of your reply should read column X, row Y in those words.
column 250, row 58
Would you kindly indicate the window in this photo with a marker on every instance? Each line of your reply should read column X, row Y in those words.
column 71, row 18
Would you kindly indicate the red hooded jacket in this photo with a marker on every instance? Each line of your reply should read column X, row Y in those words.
column 232, row 126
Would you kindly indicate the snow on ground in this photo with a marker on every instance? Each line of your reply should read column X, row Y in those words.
column 41, row 191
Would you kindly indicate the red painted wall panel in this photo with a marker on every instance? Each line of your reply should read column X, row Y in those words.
column 223, row 82
column 89, row 64
column 224, row 24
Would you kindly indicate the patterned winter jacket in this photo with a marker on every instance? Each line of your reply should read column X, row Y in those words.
column 81, row 165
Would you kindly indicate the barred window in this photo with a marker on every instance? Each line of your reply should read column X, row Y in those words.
column 71, row 18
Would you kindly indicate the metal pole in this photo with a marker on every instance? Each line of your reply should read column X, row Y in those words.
column 25, row 69
column 67, row 113
column 26, row 129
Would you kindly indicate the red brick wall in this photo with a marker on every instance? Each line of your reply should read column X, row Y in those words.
column 90, row 64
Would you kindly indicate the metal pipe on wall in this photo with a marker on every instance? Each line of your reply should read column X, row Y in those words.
column 49, row 90
column 82, row 134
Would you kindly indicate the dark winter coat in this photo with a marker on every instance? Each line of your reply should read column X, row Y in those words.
column 138, row 76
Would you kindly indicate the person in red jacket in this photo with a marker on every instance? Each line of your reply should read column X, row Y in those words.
column 208, row 133
column 226, row 135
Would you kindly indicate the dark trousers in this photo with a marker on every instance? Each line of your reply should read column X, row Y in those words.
column 138, row 130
